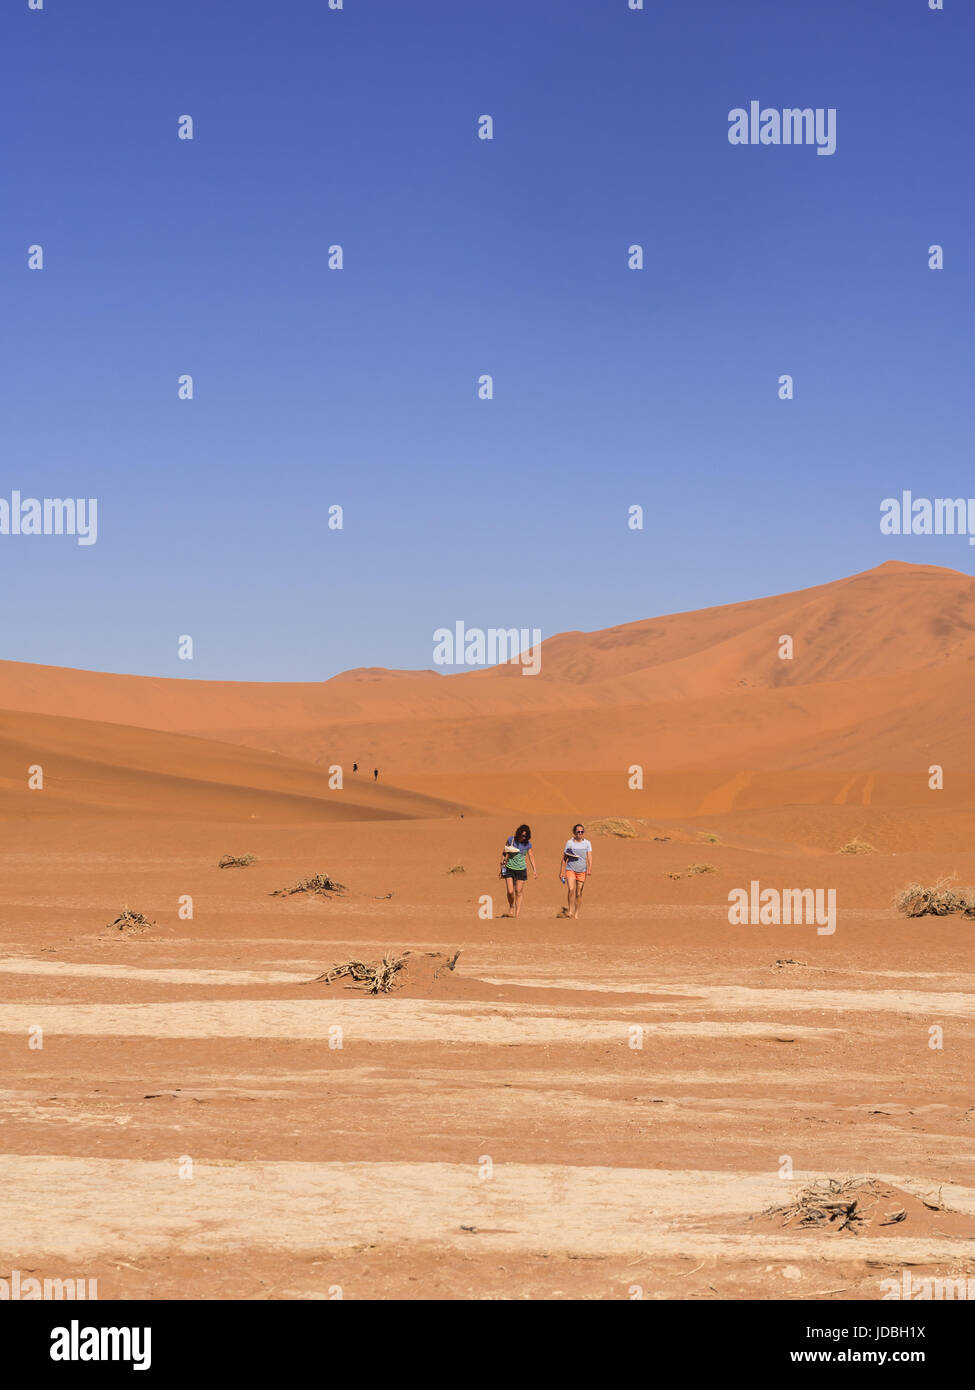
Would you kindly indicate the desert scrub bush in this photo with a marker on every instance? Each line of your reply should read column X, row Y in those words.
column 613, row 825
column 940, row 900
column 840, row 1204
column 379, row 977
column 693, row 869
column 320, row 884
column 856, row 847
column 237, row 861
column 132, row 922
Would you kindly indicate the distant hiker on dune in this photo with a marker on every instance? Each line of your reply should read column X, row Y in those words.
column 513, row 869
column 375, row 774
column 576, row 866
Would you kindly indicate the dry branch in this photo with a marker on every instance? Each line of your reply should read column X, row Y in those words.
column 318, row 883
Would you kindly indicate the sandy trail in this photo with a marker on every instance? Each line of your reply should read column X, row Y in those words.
column 399, row 1020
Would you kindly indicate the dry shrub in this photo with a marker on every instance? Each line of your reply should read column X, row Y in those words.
column 939, row 901
column 831, row 1203
column 134, row 923
column 856, row 847
column 237, row 861
column 613, row 825
column 319, row 884
column 693, row 869
column 375, row 977
column 834, row 1204
column 456, row 869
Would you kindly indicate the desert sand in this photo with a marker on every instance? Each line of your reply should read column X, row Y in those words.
column 602, row 1108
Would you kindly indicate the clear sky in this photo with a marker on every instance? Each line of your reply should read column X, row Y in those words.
column 462, row 256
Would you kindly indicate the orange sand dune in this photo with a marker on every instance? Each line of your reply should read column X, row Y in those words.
column 706, row 796
column 878, row 683
column 895, row 618
column 93, row 767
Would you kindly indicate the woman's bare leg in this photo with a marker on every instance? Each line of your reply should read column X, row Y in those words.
column 519, row 890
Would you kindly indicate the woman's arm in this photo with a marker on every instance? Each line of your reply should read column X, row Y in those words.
column 531, row 860
column 588, row 861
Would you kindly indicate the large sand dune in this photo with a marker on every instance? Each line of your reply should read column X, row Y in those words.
column 878, row 683
column 92, row 768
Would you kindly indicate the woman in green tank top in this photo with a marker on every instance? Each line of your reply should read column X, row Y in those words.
column 514, row 871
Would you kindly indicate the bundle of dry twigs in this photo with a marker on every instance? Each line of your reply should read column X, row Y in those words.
column 377, row 977
column 318, row 883
column 938, row 901
column 133, row 922
column 836, row 1204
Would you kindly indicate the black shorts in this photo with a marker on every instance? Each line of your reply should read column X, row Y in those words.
column 516, row 873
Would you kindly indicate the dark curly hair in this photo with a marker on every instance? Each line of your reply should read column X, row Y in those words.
column 523, row 834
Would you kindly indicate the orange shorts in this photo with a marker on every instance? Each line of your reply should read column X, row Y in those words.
column 571, row 876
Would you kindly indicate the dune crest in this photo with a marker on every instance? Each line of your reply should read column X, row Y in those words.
column 876, row 683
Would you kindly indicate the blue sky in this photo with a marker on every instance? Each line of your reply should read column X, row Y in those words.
column 462, row 257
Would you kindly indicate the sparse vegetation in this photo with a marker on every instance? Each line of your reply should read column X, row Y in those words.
column 856, row 847
column 941, row 900
column 840, row 1204
column 693, row 869
column 134, row 923
column 237, row 861
column 374, row 977
column 456, row 869
column 711, row 838
column 319, row 884
column 832, row 1203
column 624, row 828
column 613, row 825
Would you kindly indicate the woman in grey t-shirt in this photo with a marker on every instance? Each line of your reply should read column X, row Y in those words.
column 576, row 867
